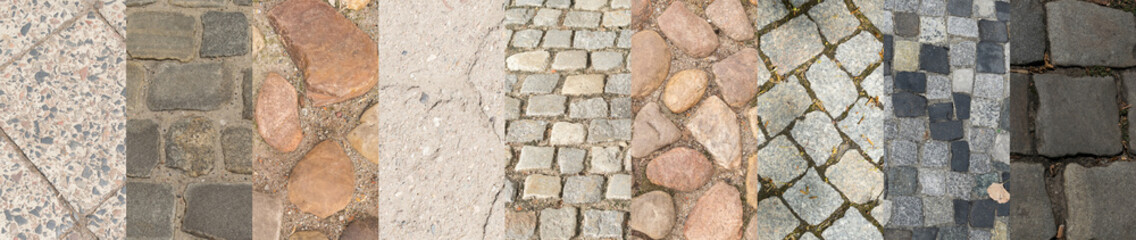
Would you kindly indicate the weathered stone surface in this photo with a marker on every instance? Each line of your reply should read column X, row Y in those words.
column 739, row 75
column 852, row 226
column 767, row 14
column 189, row 145
column 534, row 158
column 619, row 187
column 684, row 89
column 1129, row 79
column 1076, row 115
column 681, row 169
column 716, row 216
column 218, row 210
column 687, row 31
column 224, row 34
column 731, row 18
column 531, row 61
column 541, row 186
column 142, row 145
column 834, row 19
column 604, row 130
column 867, row 133
column 791, row 44
column 308, row 235
column 772, row 221
column 365, row 137
column 519, row 225
column 832, row 86
column 817, row 135
column 558, row 223
column 161, row 35
column 1078, row 35
column 651, row 131
column 1020, row 140
column 780, row 105
column 640, row 11
column 1027, row 36
column 338, row 59
column 525, row 130
column 1100, row 201
column 236, row 145
column 583, row 189
column 652, row 213
column 602, row 224
column 150, row 213
column 812, row 198
column 780, row 161
column 366, row 227
column 266, row 215
column 193, row 86
column 857, row 178
column 277, row 114
column 654, row 63
column 322, row 183
column 715, row 126
column 859, row 52
column 1030, row 210
column 570, row 60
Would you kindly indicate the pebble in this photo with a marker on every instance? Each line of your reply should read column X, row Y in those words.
column 684, row 89
column 323, row 181
column 654, row 66
column 339, row 60
column 687, row 31
column 653, row 213
column 681, row 169
column 277, row 116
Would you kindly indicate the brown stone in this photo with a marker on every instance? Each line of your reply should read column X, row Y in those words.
column 731, row 18
column 716, row 216
column 737, row 76
column 266, row 213
column 685, row 89
column 365, row 137
column 322, row 183
column 689, row 32
column 751, row 229
column 277, row 115
column 753, row 186
column 640, row 11
column 653, row 64
column 338, row 59
column 681, row 169
column 651, row 131
column 366, row 227
column 715, row 126
column 652, row 213
column 355, row 4
column 520, row 225
column 307, row 235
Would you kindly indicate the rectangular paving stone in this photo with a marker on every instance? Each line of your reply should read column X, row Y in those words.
column 558, row 223
column 1086, row 34
column 546, row 105
column 593, row 40
column 582, row 19
column 142, row 147
column 570, row 160
column 1076, row 116
column 189, row 86
column 1100, row 201
column 993, row 31
column 1028, row 34
column 583, row 189
column 960, row 156
column 161, row 35
column 605, row 130
column 535, row 158
column 541, row 186
column 602, row 224
column 150, row 212
column 224, row 34
column 540, row 83
column 198, row 3
column 915, row 82
column 934, row 59
column 909, row 105
column 946, row 131
column 218, row 210
column 557, row 39
column 1031, row 211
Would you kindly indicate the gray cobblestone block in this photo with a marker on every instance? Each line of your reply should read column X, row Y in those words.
column 583, row 189
column 981, row 139
column 904, row 153
column 984, row 9
column 902, row 181
column 915, row 82
column 618, row 18
column 938, row 87
column 541, row 186
column 219, row 210
column 528, row 38
column 993, row 31
column 906, row 6
column 963, row 54
column 934, row 59
column 602, row 224
column 607, row 61
column 528, row 3
column 198, row 3
column 960, row 156
column 935, row 154
column 510, row 80
column 593, row 40
column 908, row 211
column 161, row 35
column 618, row 84
column 512, row 108
column 932, row 30
column 624, row 40
column 142, row 147
column 236, row 145
column 620, row 107
column 566, row 133
column 936, row 8
column 990, row 58
column 908, row 105
column 1062, row 123
column 583, row 84
column 620, row 4
column 980, row 163
column 961, row 26
column 546, row 105
column 570, row 60
column 190, row 145
column 605, row 160
column 247, row 96
column 582, row 19
column 558, row 223
column 558, row 3
column 590, row 4
column 937, row 211
column 546, row 17
column 619, row 187
column 570, row 160
column 588, row 108
column 535, row 158
column 906, row 24
column 932, row 182
column 940, row 112
column 946, row 131
column 518, row 16
column 605, row 130
column 911, row 129
column 959, row 8
column 959, row 185
column 540, row 83
column 525, row 130
column 224, row 34
column 193, row 86
column 150, row 213
column 962, row 80
column 558, row 39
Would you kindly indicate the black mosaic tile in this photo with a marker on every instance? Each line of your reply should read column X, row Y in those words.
column 982, row 213
column 889, row 47
column 909, row 105
column 901, row 181
column 962, row 105
column 946, row 131
column 960, row 8
column 991, row 58
column 962, row 210
column 1004, row 209
column 992, row 31
column 934, row 59
column 960, row 156
column 940, row 112
column 915, row 82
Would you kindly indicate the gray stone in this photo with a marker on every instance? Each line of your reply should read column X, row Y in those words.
column 852, row 226
column 142, row 147
column 912, row 129
column 1031, row 211
column 161, row 35
column 588, row 108
column 936, row 8
column 150, row 213
column 528, row 3
column 990, row 58
column 593, row 40
column 615, row 19
column 932, row 30
column 558, row 3
column 959, row 185
column 570, row 160
column 583, row 189
column 607, row 61
column 904, row 153
column 558, row 39
column 527, row 38
column 546, row 17
column 762, row 16
column 812, row 198
column 1129, row 79
column 236, row 144
column 566, row 133
column 517, row 16
column 859, row 52
column 938, row 87
column 618, row 84
column 534, row 158
column 1086, row 34
column 620, row 107
column 1027, row 36
column 546, row 105
column 139, row 3
column 525, row 130
column 906, row 24
column 224, row 34
column 1100, row 201
column 932, row 181
column 619, row 187
column 538, row 186
column 834, row 19
column 818, row 136
column 773, row 220
column 189, row 145
column 908, row 211
column 935, row 154
column 780, row 105
column 902, row 181
column 791, row 45
column 857, row 178
column 602, row 224
column 605, row 160
column 868, row 133
column 246, row 94
column 985, row 112
column 832, row 86
column 1076, row 116
column 906, row 6
column 938, row 211
column 558, row 223
column 780, row 161
column 581, row 19
column 520, row 225
column 1020, row 141
column 961, row 26
column 981, row 139
column 512, row 108
column 605, row 130
column 882, row 212
column 624, row 40
column 193, row 86
column 531, row 61
column 218, row 210
column 540, row 83
column 570, row 60
column 589, row 4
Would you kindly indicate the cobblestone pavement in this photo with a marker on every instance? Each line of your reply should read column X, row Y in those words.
column 1073, row 84
column 304, row 134
column 949, row 153
column 188, row 148
column 785, row 142
column 569, row 119
column 62, row 120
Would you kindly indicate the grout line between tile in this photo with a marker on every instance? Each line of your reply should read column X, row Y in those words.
column 98, row 11
column 35, row 169
column 66, row 24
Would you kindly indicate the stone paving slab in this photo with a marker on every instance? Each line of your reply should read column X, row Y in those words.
column 1077, row 115
column 1031, row 210
column 31, row 208
column 18, row 34
column 1077, row 36
column 1100, row 201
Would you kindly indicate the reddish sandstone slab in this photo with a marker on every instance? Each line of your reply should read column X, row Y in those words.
column 277, row 114
column 338, row 59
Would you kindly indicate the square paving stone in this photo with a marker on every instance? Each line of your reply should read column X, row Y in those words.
column 1086, row 34
column 960, row 156
column 908, row 211
column 982, row 213
column 1003, row 10
column 558, row 223
column 991, row 58
column 602, row 224
column 219, row 210
column 525, row 130
column 959, row 8
column 909, row 105
column 583, row 189
column 946, row 131
column 150, row 213
column 570, row 160
column 161, row 35
column 224, row 34
column 954, row 233
column 1077, row 116
column 906, row 24
column 993, row 31
column 535, row 158
column 142, row 143
column 236, row 145
column 963, row 54
column 962, row 211
column 902, row 181
column 792, row 44
column 934, row 59
column 938, row 87
column 605, row 130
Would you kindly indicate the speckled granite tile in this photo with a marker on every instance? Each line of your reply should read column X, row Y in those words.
column 22, row 23
column 29, row 209
column 64, row 107
column 109, row 221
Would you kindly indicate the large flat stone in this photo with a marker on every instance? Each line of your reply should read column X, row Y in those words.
column 150, row 213
column 219, row 210
column 161, row 35
column 1086, row 34
column 1031, row 210
column 192, row 86
column 339, row 61
column 1077, row 116
column 1027, row 35
column 1100, row 201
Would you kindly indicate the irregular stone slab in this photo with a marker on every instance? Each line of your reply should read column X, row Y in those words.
column 834, row 19
column 857, row 178
column 652, row 213
column 812, row 198
column 520, row 225
column 218, row 210
column 1076, row 115
column 715, row 126
column 266, row 214
column 366, row 227
column 687, row 31
column 780, row 161
column 739, row 75
column 1027, row 36
column 792, row 44
column 161, row 35
column 1085, row 34
column 142, row 145
column 236, row 145
column 151, row 210
column 193, row 86
column 651, row 131
column 685, row 89
column 277, row 114
column 716, row 216
column 852, row 226
column 322, row 183
column 654, row 63
column 773, row 220
column 731, row 18
column 365, row 137
column 1100, row 201
column 817, row 135
column 780, row 105
column 1031, row 210
column 189, row 145
column 224, row 34
column 859, row 52
column 832, row 86
column 681, row 169
column 339, row 60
